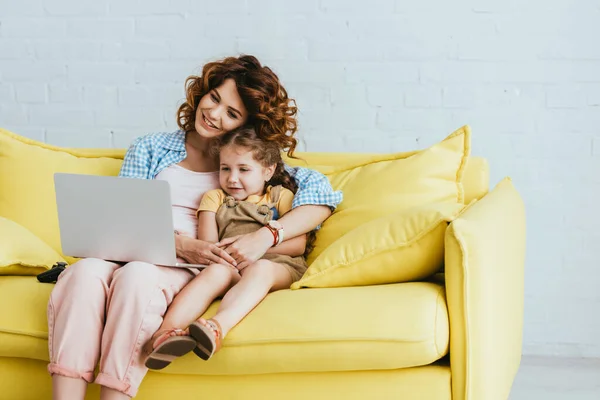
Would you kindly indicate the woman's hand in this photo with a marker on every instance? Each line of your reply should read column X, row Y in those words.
column 247, row 249
column 196, row 251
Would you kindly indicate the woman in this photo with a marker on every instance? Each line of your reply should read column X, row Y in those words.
column 103, row 311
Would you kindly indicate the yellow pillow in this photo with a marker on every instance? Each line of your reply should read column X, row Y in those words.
column 23, row 253
column 378, row 185
column 27, row 170
column 406, row 246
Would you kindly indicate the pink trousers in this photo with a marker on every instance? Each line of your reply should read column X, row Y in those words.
column 101, row 311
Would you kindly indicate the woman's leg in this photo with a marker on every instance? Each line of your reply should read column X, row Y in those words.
column 137, row 300
column 257, row 281
column 76, row 314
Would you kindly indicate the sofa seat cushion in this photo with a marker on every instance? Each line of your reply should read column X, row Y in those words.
column 330, row 329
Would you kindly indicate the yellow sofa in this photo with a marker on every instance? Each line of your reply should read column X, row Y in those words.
column 456, row 335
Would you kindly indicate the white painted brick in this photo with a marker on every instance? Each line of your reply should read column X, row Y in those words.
column 572, row 48
column 220, row 8
column 404, row 142
column 150, row 7
column 416, row 48
column 24, row 8
column 344, row 51
column 135, row 51
column 169, row 96
column 593, row 95
column 316, row 142
column 122, row 138
column 429, row 7
column 309, row 96
column 7, row 94
column 31, row 71
column 31, row 92
column 100, row 95
column 496, row 120
column 566, row 121
column 505, row 47
column 571, row 96
column 422, row 96
column 517, row 96
column 13, row 114
column 130, row 117
column 416, row 120
column 60, row 115
column 509, row 72
column 336, row 119
column 596, row 146
column 96, row 73
column 33, row 28
column 169, row 27
column 79, row 7
column 390, row 27
column 79, row 137
column 186, row 48
column 387, row 95
column 165, row 72
column 306, row 72
column 67, row 50
column 281, row 8
column 376, row 73
column 61, row 93
column 342, row 7
column 348, row 97
column 269, row 51
column 15, row 49
column 553, row 147
column 356, row 141
column 318, row 27
column 115, row 29
column 459, row 96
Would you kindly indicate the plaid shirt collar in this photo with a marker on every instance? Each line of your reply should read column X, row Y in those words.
column 174, row 141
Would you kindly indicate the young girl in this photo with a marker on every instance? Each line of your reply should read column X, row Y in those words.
column 255, row 191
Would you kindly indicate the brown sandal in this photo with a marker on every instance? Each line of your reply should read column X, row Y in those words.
column 169, row 348
column 208, row 335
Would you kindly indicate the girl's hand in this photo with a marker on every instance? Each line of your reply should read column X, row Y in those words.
column 247, row 249
column 196, row 251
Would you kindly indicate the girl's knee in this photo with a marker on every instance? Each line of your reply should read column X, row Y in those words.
column 261, row 268
column 218, row 272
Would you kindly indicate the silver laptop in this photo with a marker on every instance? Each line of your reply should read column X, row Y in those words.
column 116, row 219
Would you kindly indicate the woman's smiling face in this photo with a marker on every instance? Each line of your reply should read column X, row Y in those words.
column 220, row 110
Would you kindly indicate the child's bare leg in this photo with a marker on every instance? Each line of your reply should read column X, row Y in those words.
column 257, row 281
column 193, row 300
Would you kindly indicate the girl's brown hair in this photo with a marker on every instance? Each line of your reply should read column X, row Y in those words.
column 267, row 153
column 270, row 110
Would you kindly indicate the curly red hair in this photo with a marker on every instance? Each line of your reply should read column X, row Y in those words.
column 271, row 112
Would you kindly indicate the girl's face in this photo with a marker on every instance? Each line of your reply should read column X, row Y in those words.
column 240, row 174
column 220, row 111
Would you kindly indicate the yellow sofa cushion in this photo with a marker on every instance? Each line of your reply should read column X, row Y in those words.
column 23, row 253
column 406, row 246
column 386, row 184
column 335, row 329
column 27, row 194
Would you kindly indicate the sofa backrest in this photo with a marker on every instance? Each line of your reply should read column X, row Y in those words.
column 476, row 179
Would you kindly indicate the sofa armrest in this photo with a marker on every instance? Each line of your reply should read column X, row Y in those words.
column 484, row 265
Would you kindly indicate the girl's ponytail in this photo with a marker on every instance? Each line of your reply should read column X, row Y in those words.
column 283, row 178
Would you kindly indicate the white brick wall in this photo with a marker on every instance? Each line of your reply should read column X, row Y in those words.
column 378, row 76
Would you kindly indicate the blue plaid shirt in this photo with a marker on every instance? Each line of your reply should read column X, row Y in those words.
column 150, row 154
